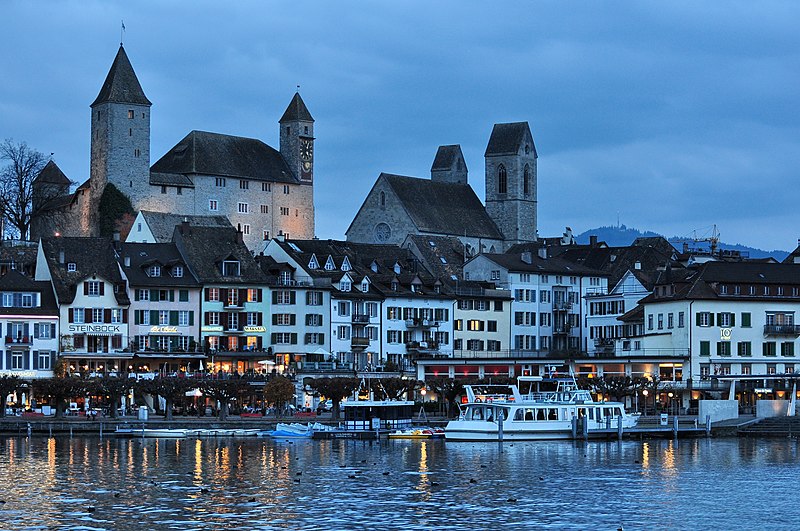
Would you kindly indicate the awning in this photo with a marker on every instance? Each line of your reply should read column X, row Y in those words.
column 172, row 355
column 97, row 355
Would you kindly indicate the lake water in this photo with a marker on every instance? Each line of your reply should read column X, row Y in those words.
column 266, row 484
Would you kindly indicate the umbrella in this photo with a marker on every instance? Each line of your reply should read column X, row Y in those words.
column 194, row 392
column 266, row 362
column 201, row 365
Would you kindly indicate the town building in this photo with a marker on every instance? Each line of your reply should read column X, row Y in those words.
column 159, row 227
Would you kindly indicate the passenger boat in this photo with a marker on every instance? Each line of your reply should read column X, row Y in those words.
column 222, row 432
column 161, row 433
column 370, row 419
column 550, row 408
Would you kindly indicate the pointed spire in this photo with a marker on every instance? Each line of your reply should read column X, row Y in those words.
column 121, row 84
column 51, row 173
column 296, row 111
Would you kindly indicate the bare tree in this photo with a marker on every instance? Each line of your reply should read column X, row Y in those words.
column 16, row 184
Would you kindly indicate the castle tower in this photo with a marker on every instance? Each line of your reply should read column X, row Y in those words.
column 121, row 133
column 511, row 181
column 449, row 165
column 297, row 139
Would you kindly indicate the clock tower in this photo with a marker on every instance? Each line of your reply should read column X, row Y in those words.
column 297, row 139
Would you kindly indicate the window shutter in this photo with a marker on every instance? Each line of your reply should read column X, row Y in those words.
column 137, row 319
column 154, row 295
column 8, row 359
column 206, row 318
column 71, row 315
column 191, row 318
column 292, row 319
column 87, row 315
column 173, row 318
column 107, row 315
column 35, row 360
column 274, row 297
column 292, row 297
column 745, row 319
column 136, row 294
column 260, row 295
column 26, row 330
column 85, row 288
column 259, row 342
column 153, row 317
column 697, row 319
column 26, row 361
column 223, row 296
column 272, row 338
column 225, row 319
column 293, row 337
column 172, row 295
column 710, row 319
column 36, row 331
column 260, row 319
column 53, row 356
column 274, row 319
column 733, row 319
column 242, row 296
column 719, row 318
column 102, row 288
column 52, row 332
column 125, row 315
column 321, row 339
column 208, row 294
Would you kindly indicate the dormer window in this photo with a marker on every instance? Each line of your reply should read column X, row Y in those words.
column 154, row 271
column 313, row 263
column 365, row 286
column 374, row 266
column 394, row 285
column 177, row 271
column 329, row 264
column 93, row 288
column 396, row 268
column 344, row 285
column 286, row 278
column 230, row 268
column 72, row 266
column 346, row 264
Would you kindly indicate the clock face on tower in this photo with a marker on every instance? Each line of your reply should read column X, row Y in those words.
column 306, row 150
column 306, row 159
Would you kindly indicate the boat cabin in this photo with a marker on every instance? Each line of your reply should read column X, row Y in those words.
column 377, row 415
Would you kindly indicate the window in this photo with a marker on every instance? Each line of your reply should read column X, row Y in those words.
column 242, row 208
column 130, row 115
column 284, row 211
column 244, row 185
column 154, row 271
column 72, row 267
column 343, row 332
column 213, row 318
column 495, row 275
column 97, row 315
column 474, row 344
column 285, row 188
column 212, row 294
column 265, row 209
column 44, row 360
column 725, row 319
column 344, row 284
column 768, row 348
column 705, row 319
column 723, row 348
column 393, row 336
column 179, row 191
column 78, row 315
column 650, row 322
column 183, row 295
column 383, row 199
column 220, row 181
column 343, row 308
column 163, row 189
column 787, row 348
column 680, row 319
column 313, row 319
column 137, row 152
column 283, row 319
column 213, row 206
column 705, row 348
column 314, row 298
column 116, row 315
column 16, row 360
column 266, row 187
column 526, row 177
column 502, row 180
column 744, row 348
column 746, row 320
column 491, row 326
column 246, row 229
column 177, row 271
column 183, row 318
column 230, row 268
column 661, row 321
column 670, row 320
column 475, row 325
column 93, row 288
column 282, row 297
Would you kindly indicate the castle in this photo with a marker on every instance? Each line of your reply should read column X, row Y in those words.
column 263, row 191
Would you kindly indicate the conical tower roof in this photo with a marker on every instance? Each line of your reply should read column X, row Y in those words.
column 121, row 85
column 51, row 173
column 296, row 111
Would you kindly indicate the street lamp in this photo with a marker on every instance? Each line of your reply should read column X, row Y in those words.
column 670, row 395
column 645, row 393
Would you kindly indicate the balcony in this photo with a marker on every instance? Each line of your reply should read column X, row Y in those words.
column 562, row 306
column 233, row 305
column 418, row 322
column 561, row 330
column 360, row 319
column 422, row 345
column 782, row 330
column 359, row 342
column 19, row 340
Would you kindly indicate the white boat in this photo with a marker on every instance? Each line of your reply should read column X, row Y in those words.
column 296, row 429
column 165, row 433
column 211, row 432
column 369, row 419
column 551, row 408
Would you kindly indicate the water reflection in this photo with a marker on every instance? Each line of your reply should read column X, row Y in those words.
column 265, row 484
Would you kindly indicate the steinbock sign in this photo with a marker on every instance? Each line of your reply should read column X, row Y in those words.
column 94, row 329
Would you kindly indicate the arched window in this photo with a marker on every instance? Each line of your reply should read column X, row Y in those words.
column 526, row 177
column 502, row 180
column 383, row 199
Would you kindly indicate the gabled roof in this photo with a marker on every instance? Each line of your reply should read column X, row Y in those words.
column 296, row 111
column 443, row 207
column 52, row 174
column 506, row 139
column 164, row 254
column 204, row 248
column 442, row 255
column 514, row 262
column 162, row 225
column 121, row 84
column 216, row 154
column 446, row 156
column 91, row 256
column 15, row 281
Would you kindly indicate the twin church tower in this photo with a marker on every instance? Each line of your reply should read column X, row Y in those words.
column 263, row 191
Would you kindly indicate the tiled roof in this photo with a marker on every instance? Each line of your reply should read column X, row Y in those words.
column 121, row 84
column 442, row 207
column 442, row 255
column 171, row 179
column 162, row 224
column 143, row 255
column 446, row 156
column 52, row 174
column 15, row 281
column 215, row 154
column 514, row 262
column 91, row 256
column 296, row 111
column 205, row 248
column 506, row 139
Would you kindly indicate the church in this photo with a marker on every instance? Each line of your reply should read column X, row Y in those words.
column 446, row 205
column 263, row 191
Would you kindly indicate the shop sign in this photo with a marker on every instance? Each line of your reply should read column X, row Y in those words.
column 725, row 334
column 254, row 329
column 164, row 330
column 211, row 328
column 94, row 329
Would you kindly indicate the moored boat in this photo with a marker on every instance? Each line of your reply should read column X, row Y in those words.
column 551, row 408
column 161, row 433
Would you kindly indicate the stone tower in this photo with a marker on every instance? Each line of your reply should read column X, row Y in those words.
column 511, row 181
column 449, row 165
column 297, row 139
column 121, row 133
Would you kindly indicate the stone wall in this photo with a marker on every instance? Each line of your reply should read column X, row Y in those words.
column 718, row 410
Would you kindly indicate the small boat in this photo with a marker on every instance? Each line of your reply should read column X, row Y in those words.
column 416, row 433
column 160, row 433
column 223, row 432
column 295, row 429
column 370, row 419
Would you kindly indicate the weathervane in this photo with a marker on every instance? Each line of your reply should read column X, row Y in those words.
column 121, row 31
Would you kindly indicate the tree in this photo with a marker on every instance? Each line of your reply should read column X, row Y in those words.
column 335, row 389
column 111, row 387
column 8, row 384
column 115, row 209
column 393, row 388
column 16, row 184
column 223, row 391
column 279, row 390
column 59, row 390
column 447, row 388
column 171, row 389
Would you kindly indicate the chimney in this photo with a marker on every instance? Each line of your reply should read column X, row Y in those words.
column 115, row 240
column 239, row 235
column 543, row 252
column 280, row 236
column 184, row 225
column 526, row 257
column 593, row 240
column 127, row 261
column 60, row 257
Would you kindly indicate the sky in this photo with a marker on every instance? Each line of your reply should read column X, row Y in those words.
column 664, row 116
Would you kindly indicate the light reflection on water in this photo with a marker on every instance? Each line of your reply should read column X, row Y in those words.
column 265, row 484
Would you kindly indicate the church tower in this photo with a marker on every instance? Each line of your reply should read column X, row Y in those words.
column 121, row 133
column 449, row 165
column 511, row 181
column 297, row 139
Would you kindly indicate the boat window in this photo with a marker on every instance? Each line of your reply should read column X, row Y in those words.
column 528, row 414
column 540, row 414
column 489, row 414
column 552, row 414
column 477, row 413
column 606, row 411
column 581, row 412
column 617, row 411
column 518, row 414
column 591, row 413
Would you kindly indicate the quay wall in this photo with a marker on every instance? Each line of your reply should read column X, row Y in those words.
column 718, row 410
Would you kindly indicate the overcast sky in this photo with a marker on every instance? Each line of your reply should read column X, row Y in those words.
column 673, row 116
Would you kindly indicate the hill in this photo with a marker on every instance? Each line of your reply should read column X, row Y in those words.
column 622, row 236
